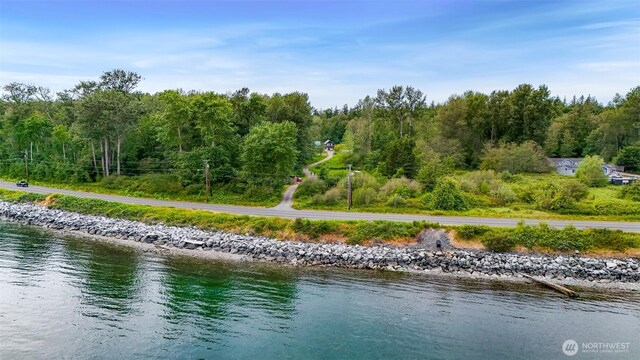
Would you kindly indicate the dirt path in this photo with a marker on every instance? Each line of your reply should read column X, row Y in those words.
column 287, row 198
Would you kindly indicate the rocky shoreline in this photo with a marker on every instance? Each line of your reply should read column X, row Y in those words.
column 468, row 263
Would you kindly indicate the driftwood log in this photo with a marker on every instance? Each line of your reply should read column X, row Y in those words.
column 558, row 288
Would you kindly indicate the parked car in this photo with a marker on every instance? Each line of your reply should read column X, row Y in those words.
column 22, row 183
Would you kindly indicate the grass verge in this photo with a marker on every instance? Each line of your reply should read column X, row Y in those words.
column 540, row 237
column 149, row 187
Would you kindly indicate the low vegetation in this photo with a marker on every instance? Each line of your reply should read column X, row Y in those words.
column 540, row 237
column 474, row 193
column 168, row 187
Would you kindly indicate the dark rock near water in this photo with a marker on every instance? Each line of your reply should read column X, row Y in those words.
column 425, row 256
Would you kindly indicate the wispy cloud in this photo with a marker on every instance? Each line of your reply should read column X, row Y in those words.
column 611, row 24
column 341, row 54
column 610, row 66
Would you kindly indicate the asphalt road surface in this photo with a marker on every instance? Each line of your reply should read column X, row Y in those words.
column 329, row 215
column 287, row 199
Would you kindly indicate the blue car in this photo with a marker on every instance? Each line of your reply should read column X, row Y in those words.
column 22, row 183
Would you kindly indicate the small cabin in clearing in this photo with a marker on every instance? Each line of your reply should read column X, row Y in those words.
column 328, row 145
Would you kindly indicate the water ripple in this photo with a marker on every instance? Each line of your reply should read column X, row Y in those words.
column 64, row 297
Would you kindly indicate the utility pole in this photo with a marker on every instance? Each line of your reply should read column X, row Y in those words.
column 207, row 178
column 26, row 164
column 349, row 202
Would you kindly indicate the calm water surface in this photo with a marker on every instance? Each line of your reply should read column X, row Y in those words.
column 65, row 297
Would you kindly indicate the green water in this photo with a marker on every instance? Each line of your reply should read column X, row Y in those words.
column 76, row 298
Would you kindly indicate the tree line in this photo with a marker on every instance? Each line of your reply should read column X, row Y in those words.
column 106, row 127
column 399, row 134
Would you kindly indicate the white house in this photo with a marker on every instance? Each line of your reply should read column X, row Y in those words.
column 565, row 166
column 568, row 166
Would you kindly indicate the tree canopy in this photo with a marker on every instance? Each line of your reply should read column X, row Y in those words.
column 104, row 127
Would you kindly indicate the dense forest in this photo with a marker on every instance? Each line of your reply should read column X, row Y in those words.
column 105, row 129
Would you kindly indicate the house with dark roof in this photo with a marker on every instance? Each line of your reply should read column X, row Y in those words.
column 617, row 179
column 565, row 166
column 328, row 145
column 568, row 166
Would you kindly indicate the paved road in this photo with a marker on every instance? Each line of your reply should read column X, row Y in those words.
column 328, row 215
column 287, row 199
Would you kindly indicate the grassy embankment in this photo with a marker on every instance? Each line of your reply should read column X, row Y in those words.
column 317, row 156
column 167, row 187
column 537, row 238
column 487, row 193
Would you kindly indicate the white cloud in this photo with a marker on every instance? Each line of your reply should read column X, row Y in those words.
column 613, row 66
column 278, row 58
column 610, row 24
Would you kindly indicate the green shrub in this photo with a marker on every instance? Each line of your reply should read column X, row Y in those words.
column 504, row 195
column 20, row 196
column 570, row 238
column 311, row 187
column 527, row 157
column 402, row 186
column 498, row 241
column 484, row 188
column 313, row 228
column 195, row 189
column 506, row 176
column 590, row 171
column 385, row 230
column 473, row 200
column 396, row 201
column 331, row 197
column 263, row 225
column 364, row 196
column 433, row 169
column 480, row 182
column 261, row 192
column 364, row 180
column 615, row 207
column 631, row 192
column 447, row 196
column 544, row 236
column 525, row 192
column 556, row 196
column 612, row 239
column 574, row 189
column 468, row 232
column 550, row 196
column 116, row 182
column 156, row 184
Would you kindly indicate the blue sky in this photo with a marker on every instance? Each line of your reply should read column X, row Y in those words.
column 336, row 51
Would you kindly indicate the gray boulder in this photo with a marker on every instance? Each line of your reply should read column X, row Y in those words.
column 432, row 239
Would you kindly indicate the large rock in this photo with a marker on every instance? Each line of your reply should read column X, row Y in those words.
column 432, row 239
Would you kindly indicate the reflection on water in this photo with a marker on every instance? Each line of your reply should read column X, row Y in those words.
column 196, row 289
column 29, row 252
column 108, row 276
column 75, row 298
